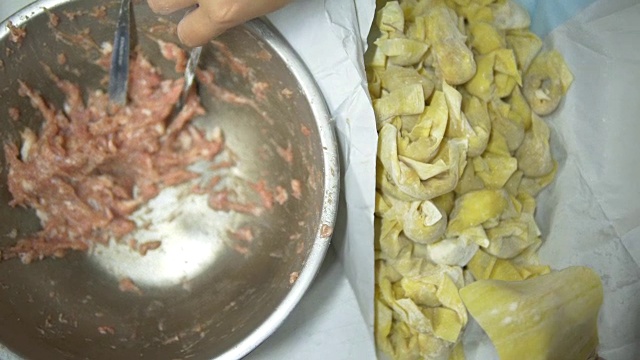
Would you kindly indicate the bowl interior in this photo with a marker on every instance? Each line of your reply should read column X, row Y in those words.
column 200, row 296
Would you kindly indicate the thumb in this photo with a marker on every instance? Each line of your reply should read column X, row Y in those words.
column 214, row 17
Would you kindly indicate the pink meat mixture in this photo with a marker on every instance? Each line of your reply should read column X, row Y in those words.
column 16, row 34
column 90, row 167
column 173, row 52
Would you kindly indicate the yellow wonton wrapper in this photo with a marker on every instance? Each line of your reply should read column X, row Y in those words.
column 475, row 208
column 546, row 81
column 534, row 155
column 422, row 141
column 408, row 100
column 403, row 181
column 553, row 316
column 455, row 59
column 401, row 51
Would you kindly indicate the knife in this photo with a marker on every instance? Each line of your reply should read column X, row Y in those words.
column 119, row 71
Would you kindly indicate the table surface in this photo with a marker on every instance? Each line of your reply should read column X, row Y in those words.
column 325, row 324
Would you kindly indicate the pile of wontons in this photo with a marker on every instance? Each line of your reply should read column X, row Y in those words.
column 458, row 89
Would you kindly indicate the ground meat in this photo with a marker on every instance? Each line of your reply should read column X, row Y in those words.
column 106, row 330
column 326, row 230
column 72, row 15
column 225, row 56
column 92, row 165
column 259, row 90
column 281, row 196
column 14, row 113
column 264, row 55
column 127, row 285
column 265, row 195
column 17, row 34
column 208, row 77
column 173, row 52
column 148, row 246
column 80, row 38
column 296, row 189
column 240, row 240
column 240, row 249
column 286, row 93
column 242, row 234
column 286, row 154
column 223, row 201
column 54, row 19
column 99, row 12
column 300, row 247
column 62, row 59
column 293, row 277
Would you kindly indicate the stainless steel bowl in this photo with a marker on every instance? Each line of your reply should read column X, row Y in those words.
column 201, row 299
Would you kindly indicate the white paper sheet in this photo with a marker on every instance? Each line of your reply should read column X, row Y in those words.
column 591, row 214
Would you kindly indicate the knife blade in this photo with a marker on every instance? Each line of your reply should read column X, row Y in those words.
column 119, row 71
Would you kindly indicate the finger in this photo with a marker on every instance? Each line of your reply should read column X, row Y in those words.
column 165, row 7
column 213, row 17
column 202, row 24
column 254, row 8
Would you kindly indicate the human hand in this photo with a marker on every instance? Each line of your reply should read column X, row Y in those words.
column 213, row 17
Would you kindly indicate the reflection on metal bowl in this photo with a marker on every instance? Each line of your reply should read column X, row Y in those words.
column 199, row 297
